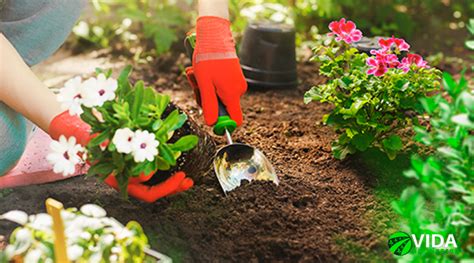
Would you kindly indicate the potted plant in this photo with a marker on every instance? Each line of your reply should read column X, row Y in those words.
column 132, row 129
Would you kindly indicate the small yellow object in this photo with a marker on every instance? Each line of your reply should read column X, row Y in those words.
column 54, row 210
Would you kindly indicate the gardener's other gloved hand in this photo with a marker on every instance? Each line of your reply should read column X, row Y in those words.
column 69, row 125
column 178, row 182
column 216, row 70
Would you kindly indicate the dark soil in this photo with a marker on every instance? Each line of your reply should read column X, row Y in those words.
column 318, row 211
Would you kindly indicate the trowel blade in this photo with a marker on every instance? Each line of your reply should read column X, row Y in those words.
column 237, row 162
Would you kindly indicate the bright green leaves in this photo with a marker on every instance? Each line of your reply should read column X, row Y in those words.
column 446, row 187
column 370, row 111
column 138, row 108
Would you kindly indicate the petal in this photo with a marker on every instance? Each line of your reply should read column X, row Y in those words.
column 16, row 216
column 93, row 210
column 348, row 27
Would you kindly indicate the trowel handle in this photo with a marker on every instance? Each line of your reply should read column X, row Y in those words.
column 224, row 122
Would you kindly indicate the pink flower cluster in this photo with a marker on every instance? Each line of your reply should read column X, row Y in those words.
column 386, row 58
column 345, row 31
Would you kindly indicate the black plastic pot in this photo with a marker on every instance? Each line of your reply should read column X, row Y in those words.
column 268, row 56
column 367, row 44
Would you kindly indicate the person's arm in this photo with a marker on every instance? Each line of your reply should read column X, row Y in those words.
column 22, row 91
column 218, row 8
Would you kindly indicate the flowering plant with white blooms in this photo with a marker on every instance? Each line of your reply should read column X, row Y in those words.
column 133, row 132
column 90, row 237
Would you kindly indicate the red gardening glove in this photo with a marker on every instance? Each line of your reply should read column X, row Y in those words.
column 68, row 125
column 178, row 182
column 216, row 69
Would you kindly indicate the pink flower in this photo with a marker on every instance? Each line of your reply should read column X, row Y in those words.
column 345, row 31
column 391, row 60
column 378, row 67
column 412, row 59
column 401, row 44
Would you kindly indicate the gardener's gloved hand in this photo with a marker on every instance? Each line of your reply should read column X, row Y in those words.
column 178, row 182
column 69, row 125
column 216, row 69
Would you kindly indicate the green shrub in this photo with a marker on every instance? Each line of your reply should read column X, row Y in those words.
column 443, row 201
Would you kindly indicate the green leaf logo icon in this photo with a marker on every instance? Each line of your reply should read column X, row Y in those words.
column 400, row 243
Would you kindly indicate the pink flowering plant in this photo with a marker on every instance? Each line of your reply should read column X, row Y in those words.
column 376, row 96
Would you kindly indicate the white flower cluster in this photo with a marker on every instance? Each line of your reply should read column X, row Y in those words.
column 92, row 92
column 80, row 227
column 141, row 144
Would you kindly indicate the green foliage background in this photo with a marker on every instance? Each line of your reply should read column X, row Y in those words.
column 152, row 26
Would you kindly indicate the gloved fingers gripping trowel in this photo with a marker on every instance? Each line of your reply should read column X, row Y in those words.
column 236, row 161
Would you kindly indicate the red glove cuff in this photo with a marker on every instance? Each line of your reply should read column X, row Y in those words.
column 213, row 39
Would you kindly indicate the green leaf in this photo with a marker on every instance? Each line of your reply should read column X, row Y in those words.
column 161, row 164
column 341, row 151
column 162, row 102
column 392, row 145
column 362, row 141
column 102, row 137
column 463, row 120
column 167, row 154
column 457, row 187
column 185, row 143
column 430, row 104
column 394, row 142
column 157, row 124
column 138, row 99
column 450, row 85
column 450, row 153
column 88, row 117
column 123, row 83
column 470, row 44
column 101, row 169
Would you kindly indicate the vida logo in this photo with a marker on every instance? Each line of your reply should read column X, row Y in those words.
column 401, row 243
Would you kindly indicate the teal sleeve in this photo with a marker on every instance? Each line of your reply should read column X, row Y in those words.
column 37, row 28
column 13, row 137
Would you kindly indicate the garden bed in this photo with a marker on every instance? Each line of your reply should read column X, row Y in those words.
column 323, row 210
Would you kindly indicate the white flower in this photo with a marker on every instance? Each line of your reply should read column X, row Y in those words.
column 70, row 96
column 144, row 146
column 123, row 140
column 16, row 216
column 23, row 241
column 75, row 252
column 41, row 221
column 33, row 255
column 96, row 91
column 64, row 157
column 90, row 93
column 107, row 87
column 93, row 211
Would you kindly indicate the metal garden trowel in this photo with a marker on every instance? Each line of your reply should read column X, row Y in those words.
column 234, row 162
